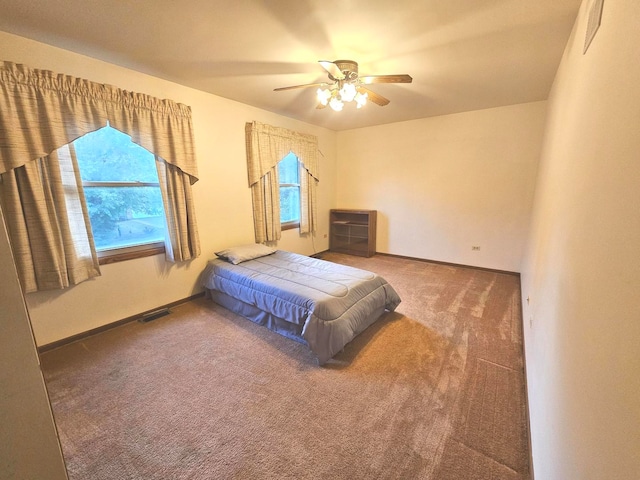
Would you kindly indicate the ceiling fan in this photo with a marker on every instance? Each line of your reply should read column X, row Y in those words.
column 347, row 86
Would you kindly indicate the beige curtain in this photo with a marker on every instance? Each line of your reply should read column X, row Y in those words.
column 48, row 223
column 181, row 238
column 42, row 111
column 266, row 146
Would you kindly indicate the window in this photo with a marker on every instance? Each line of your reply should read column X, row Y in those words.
column 123, row 196
column 289, row 175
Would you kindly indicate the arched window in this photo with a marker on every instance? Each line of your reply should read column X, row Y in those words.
column 267, row 146
column 122, row 193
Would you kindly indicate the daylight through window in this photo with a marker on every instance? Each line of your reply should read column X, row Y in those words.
column 289, row 175
column 121, row 188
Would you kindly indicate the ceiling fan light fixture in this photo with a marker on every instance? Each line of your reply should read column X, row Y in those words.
column 336, row 104
column 361, row 99
column 348, row 92
column 323, row 96
column 346, row 86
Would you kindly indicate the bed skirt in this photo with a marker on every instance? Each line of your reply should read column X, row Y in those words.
column 253, row 313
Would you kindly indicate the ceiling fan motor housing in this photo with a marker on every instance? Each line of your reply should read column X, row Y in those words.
column 349, row 68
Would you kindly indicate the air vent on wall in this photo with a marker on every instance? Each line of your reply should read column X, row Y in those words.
column 595, row 16
column 147, row 317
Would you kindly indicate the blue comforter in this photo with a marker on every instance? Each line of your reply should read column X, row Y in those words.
column 332, row 302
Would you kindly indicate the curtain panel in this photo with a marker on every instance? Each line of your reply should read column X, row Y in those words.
column 266, row 146
column 181, row 237
column 48, row 222
column 41, row 111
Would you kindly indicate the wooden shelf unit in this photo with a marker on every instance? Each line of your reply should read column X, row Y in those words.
column 353, row 232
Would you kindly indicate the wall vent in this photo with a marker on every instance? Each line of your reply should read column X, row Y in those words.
column 595, row 15
column 147, row 317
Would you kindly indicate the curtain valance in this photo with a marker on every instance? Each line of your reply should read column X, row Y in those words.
column 267, row 145
column 40, row 111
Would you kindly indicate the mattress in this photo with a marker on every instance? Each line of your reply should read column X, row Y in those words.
column 327, row 303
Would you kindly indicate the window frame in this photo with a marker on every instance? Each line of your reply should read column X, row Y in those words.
column 131, row 252
column 114, row 255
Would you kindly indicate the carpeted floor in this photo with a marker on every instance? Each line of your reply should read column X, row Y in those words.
column 432, row 391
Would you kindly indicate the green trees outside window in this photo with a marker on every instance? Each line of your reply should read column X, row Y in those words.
column 121, row 188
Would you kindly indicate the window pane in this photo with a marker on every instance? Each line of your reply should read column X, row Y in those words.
column 288, row 169
column 289, row 204
column 121, row 216
column 289, row 195
column 125, row 216
column 108, row 155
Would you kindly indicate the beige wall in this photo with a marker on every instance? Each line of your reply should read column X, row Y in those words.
column 582, row 267
column 222, row 197
column 444, row 184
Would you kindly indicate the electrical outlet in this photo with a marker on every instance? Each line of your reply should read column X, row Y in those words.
column 475, row 247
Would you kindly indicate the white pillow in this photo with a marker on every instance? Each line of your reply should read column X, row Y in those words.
column 243, row 253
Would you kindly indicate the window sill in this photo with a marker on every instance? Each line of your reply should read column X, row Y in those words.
column 115, row 256
column 289, row 226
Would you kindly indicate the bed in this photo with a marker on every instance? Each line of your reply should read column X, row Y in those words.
column 322, row 304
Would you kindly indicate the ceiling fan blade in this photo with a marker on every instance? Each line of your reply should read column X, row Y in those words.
column 333, row 69
column 403, row 78
column 306, row 85
column 374, row 97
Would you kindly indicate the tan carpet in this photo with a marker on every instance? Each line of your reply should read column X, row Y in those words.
column 433, row 391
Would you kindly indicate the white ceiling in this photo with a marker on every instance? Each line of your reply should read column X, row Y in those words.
column 462, row 54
